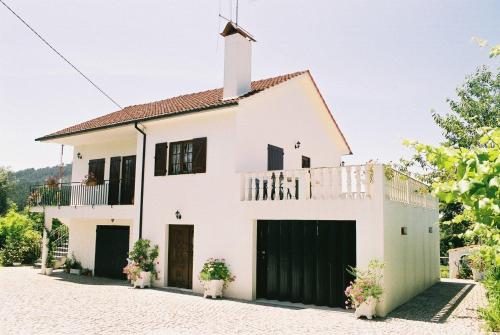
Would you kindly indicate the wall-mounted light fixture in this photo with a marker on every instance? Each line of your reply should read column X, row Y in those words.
column 178, row 215
column 297, row 145
column 79, row 155
column 342, row 163
column 112, row 220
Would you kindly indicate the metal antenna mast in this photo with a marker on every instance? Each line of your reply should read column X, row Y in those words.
column 237, row 3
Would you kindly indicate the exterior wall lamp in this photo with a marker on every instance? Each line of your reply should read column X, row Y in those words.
column 79, row 155
column 297, row 145
column 178, row 215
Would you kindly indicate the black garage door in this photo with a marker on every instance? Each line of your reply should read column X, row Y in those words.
column 305, row 261
column 111, row 251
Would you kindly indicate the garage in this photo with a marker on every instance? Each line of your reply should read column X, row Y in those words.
column 305, row 261
column 111, row 251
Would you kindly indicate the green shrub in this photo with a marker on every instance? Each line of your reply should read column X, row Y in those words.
column 491, row 313
column 464, row 271
column 444, row 270
column 19, row 240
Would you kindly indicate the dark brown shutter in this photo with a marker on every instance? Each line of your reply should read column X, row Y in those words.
column 306, row 162
column 96, row 167
column 200, row 155
column 274, row 158
column 161, row 159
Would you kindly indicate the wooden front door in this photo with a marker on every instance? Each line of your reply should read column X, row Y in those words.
column 180, row 256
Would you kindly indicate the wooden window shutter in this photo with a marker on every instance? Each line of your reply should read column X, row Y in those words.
column 161, row 159
column 200, row 155
column 96, row 168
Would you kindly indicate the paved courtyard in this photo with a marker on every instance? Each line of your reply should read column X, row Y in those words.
column 63, row 304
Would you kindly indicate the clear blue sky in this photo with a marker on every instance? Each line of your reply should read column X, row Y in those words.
column 381, row 65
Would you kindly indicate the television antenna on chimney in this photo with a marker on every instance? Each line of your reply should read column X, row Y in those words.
column 231, row 16
column 237, row 3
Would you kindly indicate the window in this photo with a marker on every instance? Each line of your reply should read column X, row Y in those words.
column 96, row 169
column 188, row 156
column 306, row 162
column 161, row 159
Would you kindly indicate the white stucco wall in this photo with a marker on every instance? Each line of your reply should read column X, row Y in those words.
column 106, row 150
column 412, row 260
column 82, row 237
column 206, row 200
column 282, row 115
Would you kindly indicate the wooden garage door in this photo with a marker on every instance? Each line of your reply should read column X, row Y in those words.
column 111, row 251
column 305, row 261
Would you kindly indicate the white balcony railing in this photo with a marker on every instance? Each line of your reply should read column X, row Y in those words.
column 403, row 188
column 348, row 182
column 343, row 182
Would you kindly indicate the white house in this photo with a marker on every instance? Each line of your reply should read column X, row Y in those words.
column 251, row 172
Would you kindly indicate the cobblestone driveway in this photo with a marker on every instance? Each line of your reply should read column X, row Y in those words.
column 62, row 304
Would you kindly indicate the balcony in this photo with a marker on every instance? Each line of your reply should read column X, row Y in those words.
column 331, row 183
column 78, row 194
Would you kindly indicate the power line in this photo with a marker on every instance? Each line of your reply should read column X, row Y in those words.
column 60, row 55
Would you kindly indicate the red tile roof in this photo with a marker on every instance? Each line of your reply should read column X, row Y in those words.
column 192, row 102
column 188, row 103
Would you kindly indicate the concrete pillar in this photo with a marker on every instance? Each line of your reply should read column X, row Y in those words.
column 45, row 240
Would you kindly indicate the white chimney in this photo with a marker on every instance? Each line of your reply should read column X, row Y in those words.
column 237, row 61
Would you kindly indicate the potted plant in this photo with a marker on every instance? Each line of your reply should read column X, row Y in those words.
column 141, row 267
column 89, row 180
column 215, row 276
column 364, row 293
column 49, row 263
column 72, row 265
column 479, row 260
column 51, row 181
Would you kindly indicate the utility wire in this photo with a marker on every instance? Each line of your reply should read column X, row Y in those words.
column 60, row 55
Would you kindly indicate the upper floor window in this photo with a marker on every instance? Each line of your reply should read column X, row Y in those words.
column 188, row 156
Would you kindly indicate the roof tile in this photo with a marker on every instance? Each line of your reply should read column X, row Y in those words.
column 170, row 106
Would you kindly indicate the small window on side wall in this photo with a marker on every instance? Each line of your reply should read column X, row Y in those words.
column 430, row 230
column 404, row 230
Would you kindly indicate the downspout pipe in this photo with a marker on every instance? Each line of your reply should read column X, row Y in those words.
column 141, row 204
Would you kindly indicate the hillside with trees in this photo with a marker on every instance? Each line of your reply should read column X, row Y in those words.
column 15, row 186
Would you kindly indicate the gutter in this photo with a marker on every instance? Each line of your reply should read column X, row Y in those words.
column 142, row 177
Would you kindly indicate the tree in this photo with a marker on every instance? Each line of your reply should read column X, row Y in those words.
column 472, row 178
column 477, row 106
column 6, row 185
